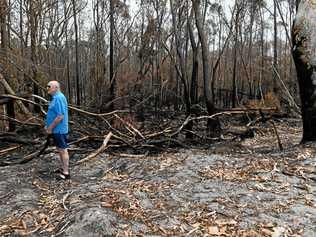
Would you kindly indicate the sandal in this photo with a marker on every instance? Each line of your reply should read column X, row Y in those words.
column 62, row 176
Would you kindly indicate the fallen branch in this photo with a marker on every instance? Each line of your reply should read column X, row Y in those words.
column 99, row 150
column 19, row 99
column 5, row 117
column 10, row 90
column 131, row 155
column 29, row 157
column 189, row 119
column 18, row 140
column 4, row 151
column 130, row 126
column 83, row 111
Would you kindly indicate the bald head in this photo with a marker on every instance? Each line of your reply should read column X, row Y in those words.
column 53, row 87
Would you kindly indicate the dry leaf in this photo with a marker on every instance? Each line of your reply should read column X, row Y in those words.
column 213, row 230
column 106, row 204
column 196, row 225
column 225, row 222
column 277, row 231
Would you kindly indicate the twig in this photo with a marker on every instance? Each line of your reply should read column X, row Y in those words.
column 79, row 140
column 277, row 135
column 290, row 97
column 131, row 155
column 6, row 195
column 63, row 228
column 65, row 198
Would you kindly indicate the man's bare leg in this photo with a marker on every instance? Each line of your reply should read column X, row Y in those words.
column 64, row 157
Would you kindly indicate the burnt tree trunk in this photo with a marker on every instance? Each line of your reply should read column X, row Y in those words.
column 78, row 85
column 304, row 48
column 213, row 125
column 4, row 44
column 112, row 76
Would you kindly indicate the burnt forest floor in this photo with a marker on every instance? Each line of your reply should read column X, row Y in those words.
column 227, row 188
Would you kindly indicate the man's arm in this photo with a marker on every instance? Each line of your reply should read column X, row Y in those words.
column 56, row 121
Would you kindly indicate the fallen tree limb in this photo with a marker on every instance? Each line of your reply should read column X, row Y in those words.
column 10, row 90
column 5, row 117
column 19, row 140
column 83, row 111
column 254, row 109
column 4, row 151
column 29, row 157
column 19, row 99
column 189, row 119
column 99, row 150
column 131, row 155
column 130, row 126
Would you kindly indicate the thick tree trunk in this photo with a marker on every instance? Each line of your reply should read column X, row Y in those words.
column 195, row 63
column 213, row 125
column 182, row 63
column 34, row 23
column 4, row 44
column 112, row 76
column 304, row 48
column 275, row 49
column 3, row 25
column 78, row 86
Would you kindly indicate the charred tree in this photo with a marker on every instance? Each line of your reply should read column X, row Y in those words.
column 304, row 48
column 213, row 125
column 3, row 47
column 112, row 76
column 33, row 18
column 76, row 52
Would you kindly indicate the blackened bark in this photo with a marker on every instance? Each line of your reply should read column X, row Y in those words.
column 213, row 125
column 76, row 52
column 307, row 83
column 303, row 38
column 112, row 76
column 11, row 114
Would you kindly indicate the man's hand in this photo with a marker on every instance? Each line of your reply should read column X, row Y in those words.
column 49, row 130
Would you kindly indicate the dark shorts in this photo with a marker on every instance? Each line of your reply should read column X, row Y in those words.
column 60, row 140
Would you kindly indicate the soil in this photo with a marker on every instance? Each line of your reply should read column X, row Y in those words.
column 238, row 188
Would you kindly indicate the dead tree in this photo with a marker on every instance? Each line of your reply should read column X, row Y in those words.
column 112, row 75
column 213, row 125
column 76, row 52
column 304, row 48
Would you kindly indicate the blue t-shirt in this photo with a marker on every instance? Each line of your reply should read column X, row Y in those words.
column 58, row 106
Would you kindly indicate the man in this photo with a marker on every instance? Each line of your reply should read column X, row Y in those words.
column 57, row 126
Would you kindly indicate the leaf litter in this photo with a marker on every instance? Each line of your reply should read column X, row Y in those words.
column 248, row 188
